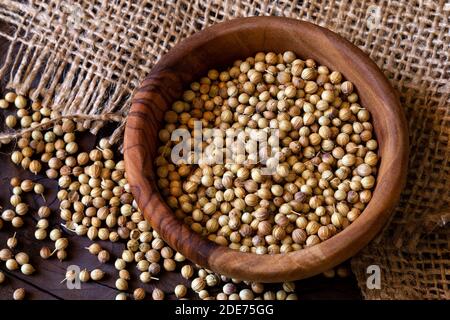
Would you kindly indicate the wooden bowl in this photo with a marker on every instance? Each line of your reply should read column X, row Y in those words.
column 217, row 47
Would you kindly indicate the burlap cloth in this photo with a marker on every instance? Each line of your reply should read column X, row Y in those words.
column 88, row 56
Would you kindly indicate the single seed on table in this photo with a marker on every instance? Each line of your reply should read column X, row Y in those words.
column 97, row 274
column 204, row 295
column 257, row 287
column 40, row 234
column 229, row 288
column 12, row 242
column 8, row 215
column 146, row 277
column 234, row 296
column 103, row 256
column 343, row 272
column 44, row 212
column 22, row 258
column 55, row 234
column 246, row 294
column 16, row 157
column 127, row 256
column 121, row 296
column 281, row 295
column 4, row 104
column 121, row 284
column 5, row 254
column 42, row 224
column 17, row 222
column 10, row 121
column 198, row 284
column 2, row 277
column 27, row 269
column 35, row 166
column 84, row 276
column 11, row 264
column 202, row 273
column 289, row 286
column 27, row 185
column 187, row 271
column 21, row 208
column 45, row 252
column 124, row 274
column 70, row 275
column 180, row 291
column 120, row 264
column 20, row 102
column 269, row 295
column 139, row 294
column 169, row 264
column 316, row 132
column 10, row 97
column 292, row 296
column 19, row 294
column 61, row 254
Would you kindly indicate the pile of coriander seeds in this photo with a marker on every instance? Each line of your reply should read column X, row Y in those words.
column 95, row 202
column 325, row 152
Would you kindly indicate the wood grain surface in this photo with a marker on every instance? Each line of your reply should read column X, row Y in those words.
column 217, row 47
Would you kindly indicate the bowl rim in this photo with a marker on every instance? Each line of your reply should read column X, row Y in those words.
column 250, row 266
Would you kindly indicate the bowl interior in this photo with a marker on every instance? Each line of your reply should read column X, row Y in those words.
column 217, row 47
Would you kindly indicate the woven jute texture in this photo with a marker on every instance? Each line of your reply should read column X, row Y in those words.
column 87, row 57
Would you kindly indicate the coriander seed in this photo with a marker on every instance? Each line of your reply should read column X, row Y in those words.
column 45, row 252
column 103, row 256
column 17, row 222
column 139, row 294
column 40, row 234
column 11, row 264
column 292, row 296
column 120, row 264
column 121, row 284
column 4, row 104
column 157, row 294
column 121, row 296
column 323, row 130
column 61, row 244
column 61, row 255
column 55, row 234
column 124, row 274
column 246, row 294
column 97, row 274
column 281, row 295
column 198, row 284
column 10, row 121
column 12, row 242
column 27, row 269
column 187, row 271
column 22, row 258
column 5, row 254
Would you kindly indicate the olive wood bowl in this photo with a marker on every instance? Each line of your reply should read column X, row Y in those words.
column 217, row 47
